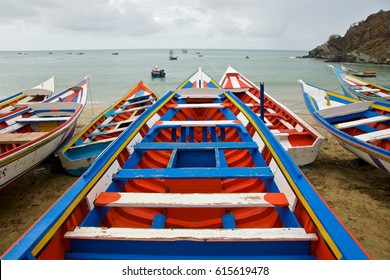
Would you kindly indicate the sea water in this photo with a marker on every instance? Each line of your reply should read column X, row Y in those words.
column 111, row 76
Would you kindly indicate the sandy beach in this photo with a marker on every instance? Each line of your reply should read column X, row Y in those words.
column 359, row 196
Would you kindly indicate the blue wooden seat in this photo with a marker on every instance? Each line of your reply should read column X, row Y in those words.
column 194, row 173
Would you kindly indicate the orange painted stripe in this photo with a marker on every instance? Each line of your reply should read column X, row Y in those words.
column 105, row 198
column 277, row 199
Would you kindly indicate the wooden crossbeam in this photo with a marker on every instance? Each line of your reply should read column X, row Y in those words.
column 43, row 119
column 195, row 173
column 375, row 135
column 192, row 200
column 197, row 123
column 199, row 235
column 195, row 145
column 19, row 138
column 362, row 121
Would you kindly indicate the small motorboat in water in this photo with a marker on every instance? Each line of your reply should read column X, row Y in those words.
column 157, row 72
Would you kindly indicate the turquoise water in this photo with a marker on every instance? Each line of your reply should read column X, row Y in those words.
column 113, row 75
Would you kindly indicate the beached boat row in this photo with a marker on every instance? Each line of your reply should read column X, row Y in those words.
column 359, row 119
column 199, row 174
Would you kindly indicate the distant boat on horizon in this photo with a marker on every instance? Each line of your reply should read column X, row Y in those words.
column 171, row 57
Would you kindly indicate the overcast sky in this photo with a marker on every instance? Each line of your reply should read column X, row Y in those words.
column 127, row 24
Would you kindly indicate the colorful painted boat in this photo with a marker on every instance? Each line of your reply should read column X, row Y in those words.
column 189, row 179
column 361, row 89
column 21, row 100
column 78, row 154
column 358, row 73
column 298, row 138
column 157, row 72
column 362, row 127
column 32, row 135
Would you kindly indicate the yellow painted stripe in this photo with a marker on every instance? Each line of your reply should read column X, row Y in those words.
column 46, row 238
column 381, row 107
column 12, row 100
column 350, row 99
column 310, row 211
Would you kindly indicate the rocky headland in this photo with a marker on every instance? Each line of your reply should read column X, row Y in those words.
column 365, row 42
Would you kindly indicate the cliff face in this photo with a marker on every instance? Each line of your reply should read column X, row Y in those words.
column 366, row 41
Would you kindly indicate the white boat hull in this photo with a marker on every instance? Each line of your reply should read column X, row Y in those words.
column 18, row 164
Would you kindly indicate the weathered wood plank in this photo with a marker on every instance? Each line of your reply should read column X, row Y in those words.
column 19, row 138
column 362, row 121
column 193, row 200
column 199, row 235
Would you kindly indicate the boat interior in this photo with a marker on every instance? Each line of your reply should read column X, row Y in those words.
column 97, row 136
column 191, row 175
column 365, row 120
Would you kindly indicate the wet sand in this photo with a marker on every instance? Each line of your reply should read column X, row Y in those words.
column 359, row 196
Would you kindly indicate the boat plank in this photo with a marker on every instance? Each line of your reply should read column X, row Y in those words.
column 373, row 136
column 348, row 109
column 198, row 105
column 20, row 138
column 362, row 121
column 200, row 235
column 193, row 173
column 43, row 119
column 105, row 132
column 193, row 200
column 196, row 146
column 197, row 123
column 130, row 120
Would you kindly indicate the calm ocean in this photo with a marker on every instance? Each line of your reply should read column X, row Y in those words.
column 111, row 76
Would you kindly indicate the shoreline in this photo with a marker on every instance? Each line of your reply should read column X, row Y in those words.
column 359, row 197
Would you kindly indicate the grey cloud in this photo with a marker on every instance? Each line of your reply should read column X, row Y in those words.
column 246, row 23
column 98, row 16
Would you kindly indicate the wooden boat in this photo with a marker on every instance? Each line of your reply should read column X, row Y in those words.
column 158, row 73
column 359, row 73
column 21, row 100
column 298, row 138
column 79, row 153
column 362, row 127
column 28, row 138
column 359, row 88
column 191, row 180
